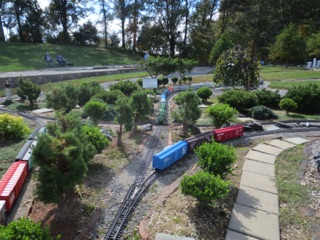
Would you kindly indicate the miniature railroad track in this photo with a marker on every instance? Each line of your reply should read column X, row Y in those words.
column 136, row 191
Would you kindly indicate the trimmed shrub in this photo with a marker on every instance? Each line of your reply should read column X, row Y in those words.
column 216, row 158
column 95, row 108
column 221, row 114
column 307, row 97
column 205, row 187
column 165, row 81
column 262, row 113
column 98, row 139
column 268, row 98
column 140, row 82
column 239, row 99
column 159, row 82
column 12, row 127
column 288, row 105
column 174, row 80
column 204, row 93
column 23, row 229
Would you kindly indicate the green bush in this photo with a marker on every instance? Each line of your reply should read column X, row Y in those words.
column 159, row 82
column 95, row 109
column 87, row 90
column 165, row 81
column 174, row 80
column 221, row 114
column 204, row 93
column 288, row 105
column 239, row 99
column 109, row 97
column 205, row 187
column 24, row 229
column 12, row 127
column 98, row 139
column 140, row 82
column 307, row 97
column 216, row 158
column 268, row 98
column 127, row 87
column 262, row 113
column 28, row 90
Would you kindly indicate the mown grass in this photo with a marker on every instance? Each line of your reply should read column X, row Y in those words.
column 8, row 154
column 293, row 196
column 290, row 84
column 273, row 73
column 30, row 56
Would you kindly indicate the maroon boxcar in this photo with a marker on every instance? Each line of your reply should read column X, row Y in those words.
column 197, row 140
column 228, row 133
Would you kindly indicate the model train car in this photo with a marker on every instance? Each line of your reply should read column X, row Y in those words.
column 167, row 92
column 13, row 180
column 175, row 152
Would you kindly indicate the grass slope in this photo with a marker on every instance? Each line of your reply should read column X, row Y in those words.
column 271, row 73
column 30, row 56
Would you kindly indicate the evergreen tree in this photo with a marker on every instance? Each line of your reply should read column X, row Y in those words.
column 141, row 106
column 28, row 90
column 125, row 116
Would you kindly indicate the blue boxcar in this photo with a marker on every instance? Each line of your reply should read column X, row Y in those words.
column 170, row 155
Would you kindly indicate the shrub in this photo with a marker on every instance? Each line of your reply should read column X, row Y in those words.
column 87, row 90
column 204, row 93
column 262, row 113
column 268, row 98
column 109, row 97
column 288, row 104
column 221, row 114
column 28, row 90
column 184, row 79
column 216, row 158
column 95, row 109
column 98, row 139
column 239, row 99
column 64, row 97
column 307, row 97
column 174, row 80
column 127, row 87
column 140, row 82
column 159, row 82
column 23, row 229
column 12, row 127
column 205, row 187
column 165, row 81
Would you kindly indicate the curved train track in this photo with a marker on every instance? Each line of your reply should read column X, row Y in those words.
column 145, row 178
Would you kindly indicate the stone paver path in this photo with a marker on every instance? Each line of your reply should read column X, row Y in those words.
column 255, row 214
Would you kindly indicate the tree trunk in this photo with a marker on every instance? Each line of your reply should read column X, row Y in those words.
column 135, row 25
column 2, row 37
column 185, row 129
column 123, row 34
column 105, row 24
column 119, row 133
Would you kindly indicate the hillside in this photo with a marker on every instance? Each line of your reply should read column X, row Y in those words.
column 30, row 56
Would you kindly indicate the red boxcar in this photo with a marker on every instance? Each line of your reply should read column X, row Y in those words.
column 228, row 133
column 12, row 182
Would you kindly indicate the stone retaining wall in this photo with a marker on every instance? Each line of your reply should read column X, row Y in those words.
column 58, row 77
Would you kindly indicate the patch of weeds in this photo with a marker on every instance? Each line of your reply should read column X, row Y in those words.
column 135, row 236
column 88, row 209
column 292, row 195
column 176, row 219
column 153, row 188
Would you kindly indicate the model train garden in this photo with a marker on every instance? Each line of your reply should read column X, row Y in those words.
column 177, row 219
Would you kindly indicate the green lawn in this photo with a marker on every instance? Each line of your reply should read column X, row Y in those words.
column 290, row 84
column 271, row 73
column 30, row 56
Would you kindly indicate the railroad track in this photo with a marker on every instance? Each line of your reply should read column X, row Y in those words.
column 140, row 186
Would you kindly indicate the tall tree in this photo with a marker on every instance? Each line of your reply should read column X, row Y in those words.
column 121, row 11
column 106, row 17
column 66, row 13
column 170, row 15
column 289, row 46
column 202, row 29
column 235, row 68
column 3, row 4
